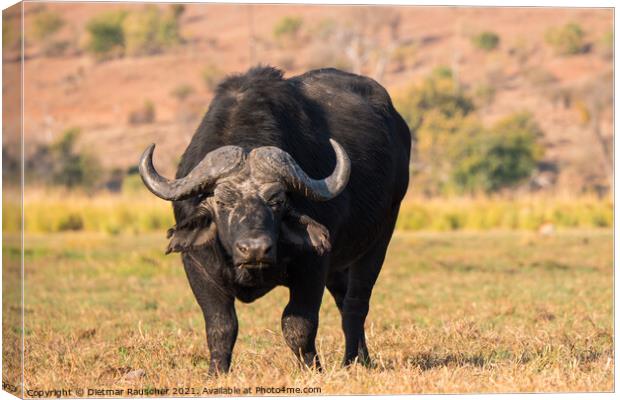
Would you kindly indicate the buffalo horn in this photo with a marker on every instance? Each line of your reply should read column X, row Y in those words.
column 213, row 166
column 272, row 160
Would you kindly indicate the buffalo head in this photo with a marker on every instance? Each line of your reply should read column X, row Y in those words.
column 245, row 203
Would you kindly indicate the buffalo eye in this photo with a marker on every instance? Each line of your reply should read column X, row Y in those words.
column 276, row 201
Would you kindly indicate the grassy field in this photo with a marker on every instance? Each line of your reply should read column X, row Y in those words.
column 497, row 311
column 137, row 211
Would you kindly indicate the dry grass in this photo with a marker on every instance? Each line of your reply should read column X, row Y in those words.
column 524, row 212
column 49, row 211
column 451, row 313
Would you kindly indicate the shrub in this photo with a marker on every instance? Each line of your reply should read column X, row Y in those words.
column 71, row 222
column 287, row 28
column 486, row 41
column 140, row 32
column 11, row 33
column 500, row 157
column 11, row 164
column 168, row 32
column 46, row 24
column 584, row 114
column 521, row 51
column 182, row 91
column 62, row 164
column 438, row 113
column 454, row 152
column 106, row 36
column 177, row 10
column 143, row 115
column 567, row 39
column 437, row 92
column 143, row 32
column 211, row 76
column 149, row 31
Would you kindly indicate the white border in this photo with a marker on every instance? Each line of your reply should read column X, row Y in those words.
column 489, row 3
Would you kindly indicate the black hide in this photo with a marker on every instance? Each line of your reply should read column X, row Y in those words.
column 299, row 115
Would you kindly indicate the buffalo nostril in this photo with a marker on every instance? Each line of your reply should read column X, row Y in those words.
column 255, row 249
column 262, row 247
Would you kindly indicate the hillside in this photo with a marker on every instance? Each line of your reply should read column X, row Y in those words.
column 72, row 89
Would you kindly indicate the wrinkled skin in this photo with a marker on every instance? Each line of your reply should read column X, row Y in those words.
column 249, row 232
column 249, row 214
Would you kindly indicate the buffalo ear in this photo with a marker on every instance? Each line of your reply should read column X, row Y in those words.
column 190, row 238
column 304, row 232
column 196, row 231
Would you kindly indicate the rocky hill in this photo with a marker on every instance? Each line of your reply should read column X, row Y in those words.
column 126, row 101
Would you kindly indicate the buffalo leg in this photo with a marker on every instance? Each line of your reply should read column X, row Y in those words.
column 362, row 277
column 218, row 309
column 300, row 319
column 337, row 286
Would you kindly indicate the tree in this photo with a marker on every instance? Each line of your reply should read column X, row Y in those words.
column 106, row 36
column 369, row 39
column 46, row 24
column 141, row 32
column 149, row 31
column 500, row 157
column 453, row 151
column 438, row 113
column 62, row 164
column 598, row 97
column 567, row 39
column 486, row 41
column 74, row 168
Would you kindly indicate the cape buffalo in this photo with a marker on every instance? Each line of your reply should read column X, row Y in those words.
column 293, row 182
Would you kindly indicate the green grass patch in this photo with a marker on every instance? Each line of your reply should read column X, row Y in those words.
column 139, row 212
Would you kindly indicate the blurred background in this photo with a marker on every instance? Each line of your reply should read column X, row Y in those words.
column 506, row 103
column 502, row 262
